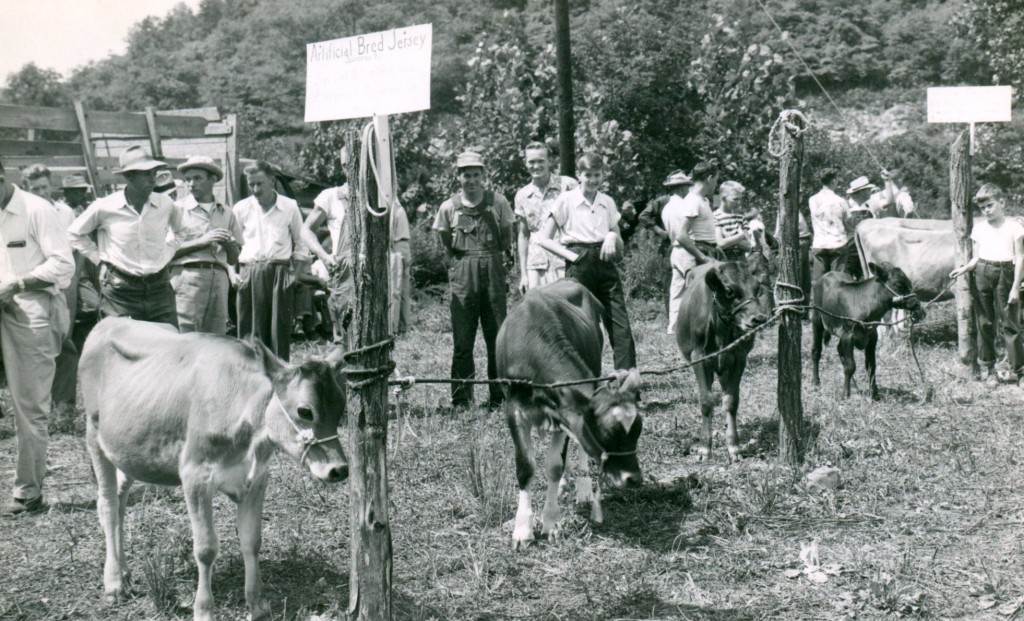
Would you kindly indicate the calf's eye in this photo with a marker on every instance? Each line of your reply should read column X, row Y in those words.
column 305, row 413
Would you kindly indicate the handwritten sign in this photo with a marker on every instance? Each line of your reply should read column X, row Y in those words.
column 378, row 73
column 969, row 104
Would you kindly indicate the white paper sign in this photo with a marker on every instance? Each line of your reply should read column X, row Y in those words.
column 378, row 73
column 969, row 104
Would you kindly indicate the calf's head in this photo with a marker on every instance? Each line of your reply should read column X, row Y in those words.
column 737, row 296
column 610, row 427
column 311, row 400
column 899, row 285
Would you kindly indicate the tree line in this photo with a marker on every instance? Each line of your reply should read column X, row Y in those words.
column 659, row 84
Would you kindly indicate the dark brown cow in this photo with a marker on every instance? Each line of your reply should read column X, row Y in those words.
column 554, row 335
column 840, row 296
column 721, row 302
column 205, row 412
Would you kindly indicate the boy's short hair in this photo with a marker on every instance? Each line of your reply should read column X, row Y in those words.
column 260, row 166
column 704, row 171
column 731, row 188
column 988, row 193
column 827, row 176
column 590, row 161
column 36, row 171
column 536, row 146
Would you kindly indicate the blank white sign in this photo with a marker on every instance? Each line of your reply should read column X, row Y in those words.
column 378, row 73
column 969, row 104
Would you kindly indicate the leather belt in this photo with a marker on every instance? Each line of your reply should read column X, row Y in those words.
column 202, row 265
column 147, row 278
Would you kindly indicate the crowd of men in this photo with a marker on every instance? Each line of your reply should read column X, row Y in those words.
column 139, row 253
column 569, row 228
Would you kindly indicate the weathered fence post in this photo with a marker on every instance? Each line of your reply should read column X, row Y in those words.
column 370, row 570
column 960, row 188
column 792, row 434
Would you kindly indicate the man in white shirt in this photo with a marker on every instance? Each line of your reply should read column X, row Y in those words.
column 134, row 243
column 533, row 203
column 271, row 242
column 331, row 206
column 209, row 245
column 690, row 224
column 35, row 265
column 830, row 243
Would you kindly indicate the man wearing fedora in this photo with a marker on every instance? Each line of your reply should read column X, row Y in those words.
column 690, row 224
column 132, row 246
column 865, row 201
column 76, row 193
column 475, row 227
column 208, row 245
column 35, row 266
column 533, row 203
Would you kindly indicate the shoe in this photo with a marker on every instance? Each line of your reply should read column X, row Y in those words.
column 18, row 506
column 992, row 381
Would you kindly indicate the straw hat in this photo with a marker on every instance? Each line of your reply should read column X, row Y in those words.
column 202, row 162
column 136, row 158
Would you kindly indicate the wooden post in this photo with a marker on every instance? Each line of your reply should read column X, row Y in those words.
column 566, row 122
column 88, row 153
column 154, row 135
column 960, row 188
column 792, row 432
column 370, row 571
column 232, row 184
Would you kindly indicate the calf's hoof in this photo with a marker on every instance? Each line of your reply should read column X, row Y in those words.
column 703, row 453
column 260, row 611
column 734, row 454
column 584, row 490
column 552, row 532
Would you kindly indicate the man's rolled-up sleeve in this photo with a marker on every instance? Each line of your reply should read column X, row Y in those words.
column 59, row 265
column 80, row 234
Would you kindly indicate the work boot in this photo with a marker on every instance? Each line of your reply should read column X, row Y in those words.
column 18, row 506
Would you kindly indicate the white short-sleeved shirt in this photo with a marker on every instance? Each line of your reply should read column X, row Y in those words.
column 271, row 235
column 695, row 208
column 581, row 221
column 334, row 203
column 996, row 243
column 533, row 204
column 829, row 213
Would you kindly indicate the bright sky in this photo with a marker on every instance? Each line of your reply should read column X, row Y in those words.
column 64, row 34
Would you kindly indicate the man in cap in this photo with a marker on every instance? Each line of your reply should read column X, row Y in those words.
column 532, row 205
column 76, row 193
column 35, row 265
column 272, row 248
column 475, row 227
column 132, row 244
column 331, row 207
column 690, row 224
column 208, row 245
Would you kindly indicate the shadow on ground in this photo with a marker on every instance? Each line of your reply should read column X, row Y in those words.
column 650, row 516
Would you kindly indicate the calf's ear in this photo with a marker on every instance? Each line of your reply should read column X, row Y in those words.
column 880, row 270
column 271, row 363
column 714, row 282
column 626, row 417
column 336, row 359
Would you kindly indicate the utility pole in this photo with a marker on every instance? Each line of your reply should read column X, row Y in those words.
column 566, row 121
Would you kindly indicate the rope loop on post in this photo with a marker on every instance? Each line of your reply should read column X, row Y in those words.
column 358, row 376
column 792, row 121
column 368, row 162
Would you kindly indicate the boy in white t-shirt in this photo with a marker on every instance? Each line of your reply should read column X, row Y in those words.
column 998, row 263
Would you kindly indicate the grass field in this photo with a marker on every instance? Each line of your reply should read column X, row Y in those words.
column 925, row 523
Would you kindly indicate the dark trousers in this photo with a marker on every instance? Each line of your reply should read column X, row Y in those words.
column 144, row 298
column 827, row 260
column 804, row 265
column 993, row 282
column 265, row 305
column 478, row 299
column 602, row 279
column 65, row 378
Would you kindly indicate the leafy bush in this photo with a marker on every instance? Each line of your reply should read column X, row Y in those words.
column 643, row 268
column 429, row 262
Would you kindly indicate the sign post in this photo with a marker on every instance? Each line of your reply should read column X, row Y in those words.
column 369, row 75
column 971, row 105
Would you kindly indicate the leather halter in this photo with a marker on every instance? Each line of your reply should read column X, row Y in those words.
column 900, row 300
column 728, row 314
column 306, row 437
column 605, row 454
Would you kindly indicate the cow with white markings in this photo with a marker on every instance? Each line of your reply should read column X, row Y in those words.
column 554, row 336
column 204, row 412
